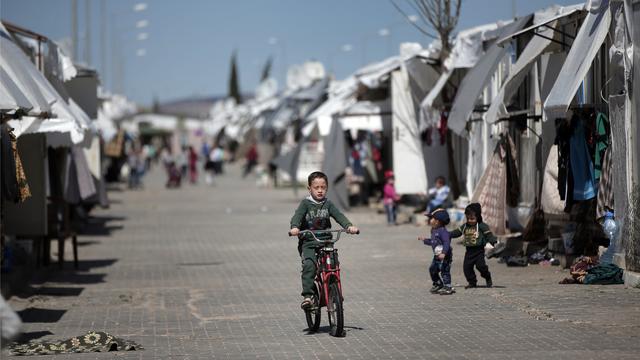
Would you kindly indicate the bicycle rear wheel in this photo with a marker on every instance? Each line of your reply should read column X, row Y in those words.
column 313, row 314
column 335, row 310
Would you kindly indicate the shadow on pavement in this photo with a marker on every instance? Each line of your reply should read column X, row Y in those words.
column 86, row 265
column 212, row 263
column 327, row 329
column 66, row 277
column 33, row 335
column 99, row 225
column 36, row 315
column 87, row 242
column 59, row 291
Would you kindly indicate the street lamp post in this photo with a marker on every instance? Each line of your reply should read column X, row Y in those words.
column 283, row 63
column 344, row 48
column 118, row 46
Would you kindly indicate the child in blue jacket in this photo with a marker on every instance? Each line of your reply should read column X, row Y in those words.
column 440, row 242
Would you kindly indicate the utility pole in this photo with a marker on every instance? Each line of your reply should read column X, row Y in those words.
column 103, row 38
column 74, row 29
column 87, row 31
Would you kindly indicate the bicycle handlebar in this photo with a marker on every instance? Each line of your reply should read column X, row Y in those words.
column 314, row 232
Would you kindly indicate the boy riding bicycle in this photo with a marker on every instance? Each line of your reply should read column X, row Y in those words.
column 314, row 213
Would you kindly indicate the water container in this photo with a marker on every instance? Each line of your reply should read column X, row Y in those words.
column 610, row 227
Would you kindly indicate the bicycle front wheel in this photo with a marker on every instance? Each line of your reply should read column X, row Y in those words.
column 335, row 310
column 313, row 314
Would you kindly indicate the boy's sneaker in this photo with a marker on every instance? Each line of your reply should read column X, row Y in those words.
column 489, row 283
column 447, row 290
column 470, row 286
column 307, row 303
column 435, row 288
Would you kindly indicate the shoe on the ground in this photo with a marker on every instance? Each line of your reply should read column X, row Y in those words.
column 435, row 288
column 307, row 303
column 489, row 283
column 470, row 286
column 447, row 290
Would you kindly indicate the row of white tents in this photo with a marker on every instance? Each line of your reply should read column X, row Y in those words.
column 533, row 70
column 57, row 114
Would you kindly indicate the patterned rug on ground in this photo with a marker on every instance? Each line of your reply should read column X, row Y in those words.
column 93, row 341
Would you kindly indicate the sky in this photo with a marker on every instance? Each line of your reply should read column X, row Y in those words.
column 189, row 42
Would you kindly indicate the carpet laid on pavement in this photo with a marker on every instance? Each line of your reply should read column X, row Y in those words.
column 93, row 341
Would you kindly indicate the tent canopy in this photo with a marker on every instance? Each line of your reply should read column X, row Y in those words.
column 477, row 78
column 545, row 41
column 590, row 37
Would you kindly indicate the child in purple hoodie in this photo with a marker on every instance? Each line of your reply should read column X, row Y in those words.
column 440, row 242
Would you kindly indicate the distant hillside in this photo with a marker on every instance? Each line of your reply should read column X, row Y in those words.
column 190, row 107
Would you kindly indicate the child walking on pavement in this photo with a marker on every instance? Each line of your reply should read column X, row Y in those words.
column 314, row 213
column 440, row 242
column 390, row 197
column 476, row 234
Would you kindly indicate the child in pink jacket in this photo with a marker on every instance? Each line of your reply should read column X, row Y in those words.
column 389, row 198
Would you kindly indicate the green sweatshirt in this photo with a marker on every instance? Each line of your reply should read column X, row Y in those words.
column 474, row 236
column 314, row 215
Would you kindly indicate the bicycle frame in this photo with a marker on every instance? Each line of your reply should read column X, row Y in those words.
column 328, row 270
column 327, row 265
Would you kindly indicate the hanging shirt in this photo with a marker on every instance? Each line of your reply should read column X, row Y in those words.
column 584, row 178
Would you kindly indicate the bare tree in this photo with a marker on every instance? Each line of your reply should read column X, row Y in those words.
column 438, row 17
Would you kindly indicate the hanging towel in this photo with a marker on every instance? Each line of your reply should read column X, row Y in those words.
column 23, row 187
column 550, row 198
column 10, row 190
column 584, row 185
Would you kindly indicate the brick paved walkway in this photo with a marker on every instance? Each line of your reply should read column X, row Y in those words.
column 207, row 272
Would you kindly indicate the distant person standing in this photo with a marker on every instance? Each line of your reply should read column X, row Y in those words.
column 217, row 156
column 390, row 197
column 182, row 162
column 193, row 165
column 251, row 159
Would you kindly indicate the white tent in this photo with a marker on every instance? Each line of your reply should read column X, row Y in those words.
column 66, row 126
column 11, row 97
column 541, row 42
column 17, row 67
column 476, row 79
column 467, row 49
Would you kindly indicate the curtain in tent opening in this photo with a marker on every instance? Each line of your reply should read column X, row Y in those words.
column 584, row 48
column 476, row 79
column 475, row 163
column 620, row 120
column 408, row 161
column 334, row 165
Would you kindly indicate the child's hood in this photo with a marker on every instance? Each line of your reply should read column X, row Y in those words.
column 310, row 198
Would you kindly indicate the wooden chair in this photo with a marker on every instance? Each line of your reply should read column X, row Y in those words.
column 60, row 228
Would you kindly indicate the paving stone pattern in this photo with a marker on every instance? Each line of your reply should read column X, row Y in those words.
column 209, row 273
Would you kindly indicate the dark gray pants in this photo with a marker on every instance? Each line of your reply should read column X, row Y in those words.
column 474, row 256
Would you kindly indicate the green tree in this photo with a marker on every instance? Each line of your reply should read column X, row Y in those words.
column 266, row 70
column 234, row 83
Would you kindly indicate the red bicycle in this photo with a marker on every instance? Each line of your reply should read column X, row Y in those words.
column 328, row 289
